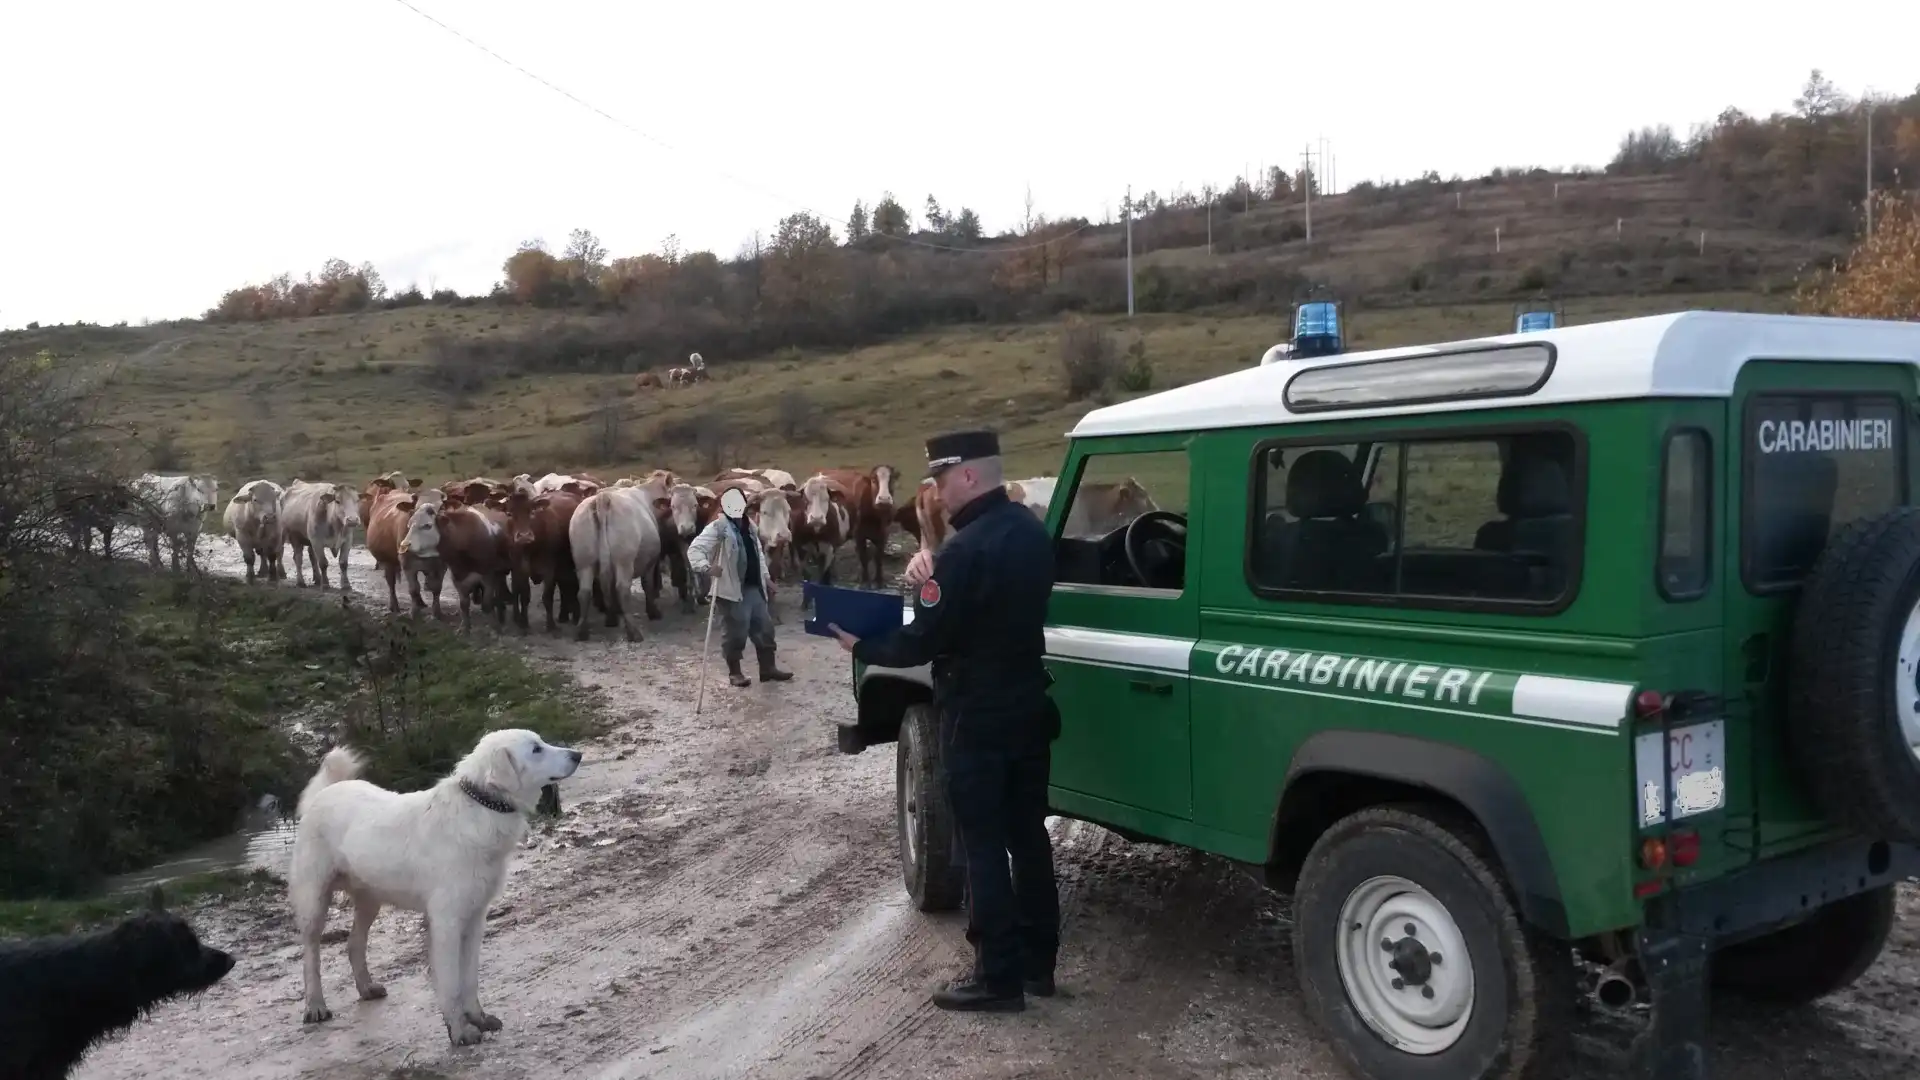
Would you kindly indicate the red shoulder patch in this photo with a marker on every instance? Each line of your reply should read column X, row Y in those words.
column 929, row 593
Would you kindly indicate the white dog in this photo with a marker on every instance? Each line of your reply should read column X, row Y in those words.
column 442, row 852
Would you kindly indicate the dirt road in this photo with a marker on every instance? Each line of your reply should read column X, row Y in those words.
column 722, row 899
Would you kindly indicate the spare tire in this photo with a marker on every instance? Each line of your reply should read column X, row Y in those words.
column 1853, row 678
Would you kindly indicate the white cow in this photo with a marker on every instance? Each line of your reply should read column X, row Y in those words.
column 555, row 481
column 174, row 505
column 776, row 527
column 319, row 518
column 1038, row 493
column 615, row 537
column 253, row 520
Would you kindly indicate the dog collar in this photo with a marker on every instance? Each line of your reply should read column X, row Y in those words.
column 487, row 798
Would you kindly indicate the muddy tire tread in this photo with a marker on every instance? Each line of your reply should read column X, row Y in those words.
column 1541, row 1011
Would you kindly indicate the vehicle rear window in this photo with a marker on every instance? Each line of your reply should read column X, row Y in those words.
column 1686, row 516
column 1815, row 464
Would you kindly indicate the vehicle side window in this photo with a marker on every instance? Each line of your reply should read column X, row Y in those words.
column 1113, row 490
column 1491, row 518
column 1814, row 465
column 1686, row 516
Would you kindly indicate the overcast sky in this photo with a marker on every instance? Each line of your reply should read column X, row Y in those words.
column 157, row 154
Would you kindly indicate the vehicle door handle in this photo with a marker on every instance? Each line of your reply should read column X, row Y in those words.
column 1151, row 686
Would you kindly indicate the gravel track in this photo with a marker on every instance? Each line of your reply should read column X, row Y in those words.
column 722, row 899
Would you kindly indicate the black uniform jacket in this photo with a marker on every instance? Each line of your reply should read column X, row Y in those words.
column 980, row 620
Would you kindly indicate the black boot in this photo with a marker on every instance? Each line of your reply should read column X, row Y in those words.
column 769, row 673
column 971, row 995
column 734, row 674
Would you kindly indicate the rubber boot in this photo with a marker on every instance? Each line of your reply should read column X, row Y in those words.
column 768, row 672
column 734, row 674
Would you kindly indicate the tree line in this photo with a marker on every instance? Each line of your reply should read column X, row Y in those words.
column 887, row 270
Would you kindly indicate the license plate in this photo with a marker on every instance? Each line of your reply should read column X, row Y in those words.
column 1696, row 771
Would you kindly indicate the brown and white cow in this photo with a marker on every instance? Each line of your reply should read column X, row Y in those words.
column 253, row 520
column 1100, row 507
column 870, row 504
column 930, row 512
column 319, row 519
column 615, row 537
column 403, row 536
column 477, row 491
column 473, row 547
column 824, row 524
column 542, row 554
column 647, row 380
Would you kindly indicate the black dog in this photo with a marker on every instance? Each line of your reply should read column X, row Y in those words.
column 60, row 995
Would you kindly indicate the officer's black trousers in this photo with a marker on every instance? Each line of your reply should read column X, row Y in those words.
column 999, row 802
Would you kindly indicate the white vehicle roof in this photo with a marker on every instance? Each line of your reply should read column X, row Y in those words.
column 1684, row 354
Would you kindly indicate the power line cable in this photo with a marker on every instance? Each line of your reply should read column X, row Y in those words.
column 749, row 185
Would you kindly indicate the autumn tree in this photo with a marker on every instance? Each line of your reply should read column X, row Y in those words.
column 533, row 276
column 800, row 274
column 585, row 257
column 1881, row 278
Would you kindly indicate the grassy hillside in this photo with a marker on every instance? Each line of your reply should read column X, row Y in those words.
column 348, row 397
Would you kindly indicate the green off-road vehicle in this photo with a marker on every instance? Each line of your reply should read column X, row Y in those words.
column 1592, row 649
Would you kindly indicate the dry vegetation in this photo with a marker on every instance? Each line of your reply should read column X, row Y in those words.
column 353, row 396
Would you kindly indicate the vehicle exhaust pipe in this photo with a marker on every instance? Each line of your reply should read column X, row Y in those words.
column 1615, row 991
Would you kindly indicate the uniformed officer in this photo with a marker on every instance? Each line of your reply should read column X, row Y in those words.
column 979, row 618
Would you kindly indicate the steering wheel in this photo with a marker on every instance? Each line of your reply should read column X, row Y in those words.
column 1135, row 544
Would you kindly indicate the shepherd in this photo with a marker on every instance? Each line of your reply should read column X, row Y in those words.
column 729, row 551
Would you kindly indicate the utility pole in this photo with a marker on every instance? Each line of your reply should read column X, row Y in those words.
column 1127, row 211
column 1306, row 186
column 1209, row 224
column 1869, row 104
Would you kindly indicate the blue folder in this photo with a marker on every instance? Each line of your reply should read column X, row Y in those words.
column 860, row 612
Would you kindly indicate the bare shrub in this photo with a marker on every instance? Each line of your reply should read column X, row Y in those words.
column 1137, row 376
column 1089, row 359
column 607, row 439
column 799, row 417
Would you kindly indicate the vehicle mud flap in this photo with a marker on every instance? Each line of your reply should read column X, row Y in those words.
column 1674, row 1045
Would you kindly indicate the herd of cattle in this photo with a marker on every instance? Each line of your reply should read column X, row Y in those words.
column 572, row 535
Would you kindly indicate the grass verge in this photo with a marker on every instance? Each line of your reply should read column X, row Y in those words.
column 37, row 918
column 191, row 697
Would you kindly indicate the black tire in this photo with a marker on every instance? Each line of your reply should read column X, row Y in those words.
column 1520, row 1021
column 1842, row 721
column 935, row 880
column 1817, row 956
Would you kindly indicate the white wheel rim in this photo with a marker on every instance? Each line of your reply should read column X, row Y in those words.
column 1389, row 921
column 910, row 800
column 1906, row 681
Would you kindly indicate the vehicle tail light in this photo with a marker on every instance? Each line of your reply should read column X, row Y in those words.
column 1649, row 703
column 1684, row 848
column 1653, row 853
